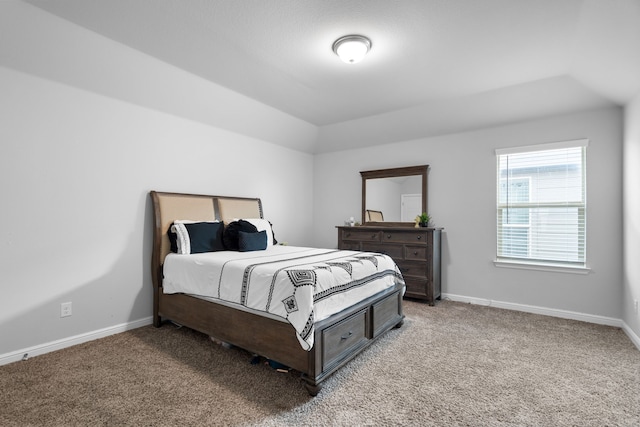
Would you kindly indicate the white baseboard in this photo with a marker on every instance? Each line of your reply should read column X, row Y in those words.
column 71, row 341
column 564, row 314
column 635, row 339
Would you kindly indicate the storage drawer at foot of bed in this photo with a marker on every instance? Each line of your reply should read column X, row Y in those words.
column 386, row 313
column 340, row 339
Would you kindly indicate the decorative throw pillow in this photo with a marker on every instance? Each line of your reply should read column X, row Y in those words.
column 252, row 241
column 264, row 225
column 173, row 237
column 230, row 236
column 197, row 237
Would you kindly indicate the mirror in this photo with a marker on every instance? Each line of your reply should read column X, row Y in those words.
column 393, row 197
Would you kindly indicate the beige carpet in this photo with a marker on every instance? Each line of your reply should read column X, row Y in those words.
column 453, row 364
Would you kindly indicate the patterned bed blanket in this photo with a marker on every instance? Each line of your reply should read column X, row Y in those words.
column 299, row 285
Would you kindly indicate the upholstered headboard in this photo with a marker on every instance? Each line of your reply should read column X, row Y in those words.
column 169, row 207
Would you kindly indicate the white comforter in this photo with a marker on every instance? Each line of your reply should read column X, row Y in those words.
column 301, row 285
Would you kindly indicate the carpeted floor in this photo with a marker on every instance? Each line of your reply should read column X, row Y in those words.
column 450, row 365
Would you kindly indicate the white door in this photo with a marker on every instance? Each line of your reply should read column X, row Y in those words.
column 410, row 207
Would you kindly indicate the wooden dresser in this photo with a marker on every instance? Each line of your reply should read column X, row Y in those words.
column 416, row 251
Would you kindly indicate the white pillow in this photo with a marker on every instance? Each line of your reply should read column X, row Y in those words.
column 261, row 225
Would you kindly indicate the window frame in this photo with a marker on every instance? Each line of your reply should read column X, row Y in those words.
column 540, row 264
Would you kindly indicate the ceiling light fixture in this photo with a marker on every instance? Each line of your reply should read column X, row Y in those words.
column 352, row 49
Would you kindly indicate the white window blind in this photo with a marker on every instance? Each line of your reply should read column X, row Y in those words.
column 541, row 209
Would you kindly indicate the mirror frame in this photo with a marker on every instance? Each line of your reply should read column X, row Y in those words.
column 392, row 173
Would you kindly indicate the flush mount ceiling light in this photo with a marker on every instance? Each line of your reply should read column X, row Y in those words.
column 352, row 49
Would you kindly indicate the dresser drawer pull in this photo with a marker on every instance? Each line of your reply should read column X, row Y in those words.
column 388, row 236
column 419, row 237
column 415, row 252
column 347, row 335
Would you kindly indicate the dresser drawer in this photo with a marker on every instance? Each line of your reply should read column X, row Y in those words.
column 413, row 268
column 394, row 251
column 416, row 288
column 340, row 339
column 349, row 245
column 360, row 235
column 418, row 253
column 405, row 236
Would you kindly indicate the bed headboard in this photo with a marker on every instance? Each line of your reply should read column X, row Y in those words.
column 168, row 207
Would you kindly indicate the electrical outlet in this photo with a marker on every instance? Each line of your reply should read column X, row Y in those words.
column 65, row 309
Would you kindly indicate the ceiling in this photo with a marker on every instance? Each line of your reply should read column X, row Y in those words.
column 489, row 61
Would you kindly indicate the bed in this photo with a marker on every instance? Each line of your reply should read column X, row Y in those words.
column 313, row 341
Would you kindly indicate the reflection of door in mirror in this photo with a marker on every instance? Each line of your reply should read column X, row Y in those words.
column 411, row 205
column 386, row 195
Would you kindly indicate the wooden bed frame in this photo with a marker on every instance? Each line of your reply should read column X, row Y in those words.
column 338, row 339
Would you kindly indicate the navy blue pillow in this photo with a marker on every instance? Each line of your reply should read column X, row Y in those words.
column 203, row 237
column 230, row 235
column 252, row 241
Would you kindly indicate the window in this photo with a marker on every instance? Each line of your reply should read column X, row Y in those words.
column 541, row 204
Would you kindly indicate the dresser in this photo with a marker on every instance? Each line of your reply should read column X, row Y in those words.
column 416, row 251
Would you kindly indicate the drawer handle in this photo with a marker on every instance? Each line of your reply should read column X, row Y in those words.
column 415, row 252
column 419, row 237
column 388, row 236
column 345, row 336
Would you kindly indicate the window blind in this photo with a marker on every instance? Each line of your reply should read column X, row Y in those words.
column 541, row 204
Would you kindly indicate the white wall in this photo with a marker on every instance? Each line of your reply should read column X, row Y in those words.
column 631, row 286
column 462, row 200
column 76, row 166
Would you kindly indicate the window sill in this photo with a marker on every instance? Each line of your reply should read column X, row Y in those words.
column 541, row 267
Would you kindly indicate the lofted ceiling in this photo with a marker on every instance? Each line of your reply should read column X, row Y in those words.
column 435, row 66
